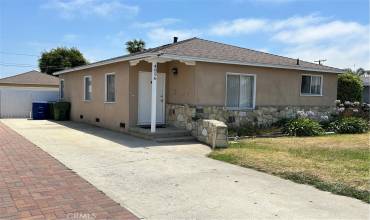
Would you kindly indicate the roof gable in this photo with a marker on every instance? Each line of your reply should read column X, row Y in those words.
column 31, row 78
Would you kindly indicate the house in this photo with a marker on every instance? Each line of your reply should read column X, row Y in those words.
column 366, row 91
column 179, row 83
column 18, row 92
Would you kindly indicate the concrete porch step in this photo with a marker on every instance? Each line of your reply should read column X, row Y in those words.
column 175, row 139
column 166, row 134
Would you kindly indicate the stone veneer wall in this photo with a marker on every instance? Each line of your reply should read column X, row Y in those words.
column 190, row 117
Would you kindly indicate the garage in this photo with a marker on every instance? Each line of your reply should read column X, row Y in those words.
column 18, row 92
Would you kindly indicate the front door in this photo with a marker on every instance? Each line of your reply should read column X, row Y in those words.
column 145, row 98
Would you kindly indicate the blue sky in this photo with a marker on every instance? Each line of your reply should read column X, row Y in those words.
column 337, row 30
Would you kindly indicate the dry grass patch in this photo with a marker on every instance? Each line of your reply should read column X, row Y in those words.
column 336, row 163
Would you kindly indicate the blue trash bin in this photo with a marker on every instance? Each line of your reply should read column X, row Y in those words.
column 40, row 110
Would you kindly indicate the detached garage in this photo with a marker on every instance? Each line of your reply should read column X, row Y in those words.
column 18, row 92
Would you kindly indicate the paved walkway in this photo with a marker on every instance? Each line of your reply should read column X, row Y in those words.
column 178, row 181
column 33, row 185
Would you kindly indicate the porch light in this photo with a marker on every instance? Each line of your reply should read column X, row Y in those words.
column 174, row 71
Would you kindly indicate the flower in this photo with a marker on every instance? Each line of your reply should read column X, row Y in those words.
column 324, row 118
column 301, row 114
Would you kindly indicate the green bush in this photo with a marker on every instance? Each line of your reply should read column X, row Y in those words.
column 61, row 111
column 245, row 129
column 349, row 87
column 302, row 127
column 350, row 125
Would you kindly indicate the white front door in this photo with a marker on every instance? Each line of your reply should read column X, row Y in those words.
column 145, row 97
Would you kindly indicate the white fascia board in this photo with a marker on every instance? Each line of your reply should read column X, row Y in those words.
column 101, row 63
column 189, row 58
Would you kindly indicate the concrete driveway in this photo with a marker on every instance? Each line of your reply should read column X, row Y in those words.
column 179, row 181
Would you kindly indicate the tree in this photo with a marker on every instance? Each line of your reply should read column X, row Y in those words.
column 360, row 71
column 60, row 58
column 134, row 46
column 349, row 87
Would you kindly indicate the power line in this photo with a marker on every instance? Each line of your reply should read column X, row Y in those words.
column 30, row 65
column 19, row 54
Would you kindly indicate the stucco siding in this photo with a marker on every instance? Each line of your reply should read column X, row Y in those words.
column 277, row 87
column 110, row 114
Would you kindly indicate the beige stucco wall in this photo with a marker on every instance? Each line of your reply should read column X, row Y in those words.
column 202, row 84
column 110, row 114
column 277, row 87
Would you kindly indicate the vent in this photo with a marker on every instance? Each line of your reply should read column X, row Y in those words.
column 199, row 110
column 175, row 39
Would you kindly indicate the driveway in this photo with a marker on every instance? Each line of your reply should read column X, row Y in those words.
column 178, row 181
column 34, row 185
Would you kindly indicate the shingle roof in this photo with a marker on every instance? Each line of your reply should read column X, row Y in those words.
column 31, row 78
column 209, row 51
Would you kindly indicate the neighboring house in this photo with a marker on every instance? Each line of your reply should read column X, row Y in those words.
column 194, row 79
column 366, row 91
column 18, row 92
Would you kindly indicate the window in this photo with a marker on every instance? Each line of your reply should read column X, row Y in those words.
column 240, row 90
column 311, row 85
column 87, row 88
column 110, row 88
column 61, row 89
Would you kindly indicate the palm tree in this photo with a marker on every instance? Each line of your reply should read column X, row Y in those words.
column 134, row 46
column 360, row 71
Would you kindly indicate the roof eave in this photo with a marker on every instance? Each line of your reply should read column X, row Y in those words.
column 101, row 63
column 189, row 58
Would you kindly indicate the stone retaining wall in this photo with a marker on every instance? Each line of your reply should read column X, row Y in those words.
column 191, row 117
column 212, row 132
column 185, row 116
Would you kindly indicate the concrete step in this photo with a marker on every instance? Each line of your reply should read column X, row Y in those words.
column 175, row 139
column 161, row 133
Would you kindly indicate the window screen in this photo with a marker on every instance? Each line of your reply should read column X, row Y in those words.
column 111, row 91
column 88, row 88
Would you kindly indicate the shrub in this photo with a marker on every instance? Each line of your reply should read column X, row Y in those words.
column 303, row 127
column 245, row 129
column 349, row 87
column 350, row 125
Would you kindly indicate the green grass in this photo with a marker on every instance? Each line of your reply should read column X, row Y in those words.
column 336, row 163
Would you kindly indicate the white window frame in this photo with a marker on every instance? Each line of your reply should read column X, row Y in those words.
column 106, row 87
column 310, row 94
column 61, row 96
column 254, row 91
column 84, row 86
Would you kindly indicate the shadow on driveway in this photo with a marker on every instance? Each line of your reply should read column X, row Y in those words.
column 116, row 136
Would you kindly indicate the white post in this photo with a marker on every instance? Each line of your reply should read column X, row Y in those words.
column 154, row 97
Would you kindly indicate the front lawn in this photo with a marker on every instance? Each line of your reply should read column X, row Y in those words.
column 336, row 163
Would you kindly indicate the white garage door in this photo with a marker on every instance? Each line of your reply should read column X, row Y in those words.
column 17, row 102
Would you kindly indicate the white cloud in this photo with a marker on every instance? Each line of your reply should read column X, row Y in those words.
column 343, row 43
column 159, row 36
column 244, row 26
column 156, row 24
column 70, row 9
column 334, row 30
column 238, row 26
